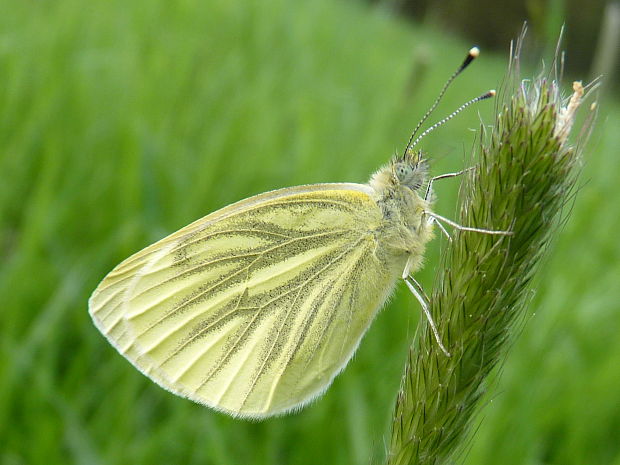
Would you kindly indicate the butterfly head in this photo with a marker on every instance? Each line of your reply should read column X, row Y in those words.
column 410, row 171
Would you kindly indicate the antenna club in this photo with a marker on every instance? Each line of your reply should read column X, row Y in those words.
column 489, row 94
column 471, row 56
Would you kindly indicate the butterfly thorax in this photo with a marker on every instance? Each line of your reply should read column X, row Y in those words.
column 400, row 191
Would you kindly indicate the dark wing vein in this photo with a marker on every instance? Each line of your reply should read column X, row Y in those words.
column 221, row 363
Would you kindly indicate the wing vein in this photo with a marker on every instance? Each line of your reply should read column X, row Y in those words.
column 209, row 289
column 202, row 354
column 234, row 346
column 302, row 336
column 273, row 345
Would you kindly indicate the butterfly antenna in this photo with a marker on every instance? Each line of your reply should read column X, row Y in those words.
column 471, row 55
column 485, row 96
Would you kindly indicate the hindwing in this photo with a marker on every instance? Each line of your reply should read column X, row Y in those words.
column 255, row 308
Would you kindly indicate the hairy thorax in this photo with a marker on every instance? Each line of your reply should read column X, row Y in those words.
column 405, row 228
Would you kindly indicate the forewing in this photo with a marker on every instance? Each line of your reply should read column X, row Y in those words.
column 255, row 308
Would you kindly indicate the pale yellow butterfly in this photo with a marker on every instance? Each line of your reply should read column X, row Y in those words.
column 254, row 309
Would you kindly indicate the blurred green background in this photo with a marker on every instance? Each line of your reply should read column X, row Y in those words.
column 121, row 122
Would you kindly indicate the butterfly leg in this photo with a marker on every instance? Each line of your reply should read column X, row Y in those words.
column 407, row 269
column 433, row 217
column 419, row 294
column 442, row 228
column 429, row 188
column 439, row 218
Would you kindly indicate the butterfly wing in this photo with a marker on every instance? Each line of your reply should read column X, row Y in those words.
column 255, row 308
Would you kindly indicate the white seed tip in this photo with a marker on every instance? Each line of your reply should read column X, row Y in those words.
column 593, row 106
column 492, row 92
column 566, row 115
column 474, row 52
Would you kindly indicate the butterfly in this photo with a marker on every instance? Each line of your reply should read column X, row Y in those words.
column 255, row 308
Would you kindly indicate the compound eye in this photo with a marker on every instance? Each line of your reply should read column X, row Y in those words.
column 402, row 172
